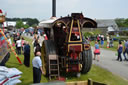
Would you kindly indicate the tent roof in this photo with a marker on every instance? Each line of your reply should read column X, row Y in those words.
column 47, row 23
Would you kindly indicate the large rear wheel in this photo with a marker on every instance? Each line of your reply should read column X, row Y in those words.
column 48, row 48
column 86, row 61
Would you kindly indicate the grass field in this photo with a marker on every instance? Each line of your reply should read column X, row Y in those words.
column 96, row 73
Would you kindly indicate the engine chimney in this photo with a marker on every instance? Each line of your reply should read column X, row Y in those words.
column 53, row 8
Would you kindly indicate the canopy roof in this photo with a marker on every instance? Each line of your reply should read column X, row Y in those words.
column 47, row 23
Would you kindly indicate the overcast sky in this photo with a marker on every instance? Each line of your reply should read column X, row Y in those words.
column 42, row 9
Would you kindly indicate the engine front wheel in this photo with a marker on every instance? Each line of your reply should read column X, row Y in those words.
column 86, row 61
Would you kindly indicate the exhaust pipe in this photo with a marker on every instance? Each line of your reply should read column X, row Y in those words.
column 53, row 8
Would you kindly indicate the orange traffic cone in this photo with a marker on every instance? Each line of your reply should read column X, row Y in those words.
column 107, row 44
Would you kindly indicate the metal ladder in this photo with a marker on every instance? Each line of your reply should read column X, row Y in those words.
column 53, row 66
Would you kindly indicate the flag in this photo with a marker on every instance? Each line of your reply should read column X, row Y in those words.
column 1, row 13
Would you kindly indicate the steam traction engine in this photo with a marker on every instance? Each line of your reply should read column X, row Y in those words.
column 66, row 50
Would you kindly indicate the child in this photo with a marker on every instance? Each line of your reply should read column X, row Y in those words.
column 97, row 51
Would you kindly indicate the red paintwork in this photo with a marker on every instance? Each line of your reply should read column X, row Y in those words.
column 1, row 11
column 76, row 48
column 74, row 55
column 73, row 68
column 46, row 38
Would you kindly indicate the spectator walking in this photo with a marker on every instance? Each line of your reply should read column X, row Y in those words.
column 125, row 50
column 18, row 44
column 97, row 51
column 37, row 68
column 119, row 50
column 27, row 54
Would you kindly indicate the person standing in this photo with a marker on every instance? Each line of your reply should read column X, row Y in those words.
column 35, row 44
column 37, row 48
column 97, row 51
column 34, row 39
column 18, row 43
column 111, row 42
column 125, row 50
column 37, row 68
column 9, row 39
column 98, row 38
column 22, row 43
column 108, row 41
column 102, row 40
column 119, row 50
column 14, row 37
column 27, row 54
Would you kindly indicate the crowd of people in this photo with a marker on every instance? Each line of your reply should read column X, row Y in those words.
column 100, row 39
column 121, row 49
column 23, row 48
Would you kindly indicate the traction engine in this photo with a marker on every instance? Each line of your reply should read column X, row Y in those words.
column 66, row 50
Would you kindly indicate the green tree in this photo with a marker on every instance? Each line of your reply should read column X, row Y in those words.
column 121, row 22
column 97, row 31
column 19, row 24
column 34, row 25
column 88, row 34
column 126, row 22
column 26, row 26
column 31, row 22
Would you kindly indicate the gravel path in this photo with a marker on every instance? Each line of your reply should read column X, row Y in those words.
column 109, row 62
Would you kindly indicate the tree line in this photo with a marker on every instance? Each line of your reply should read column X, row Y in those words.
column 122, row 22
column 30, row 22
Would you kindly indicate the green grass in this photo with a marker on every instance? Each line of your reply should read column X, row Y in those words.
column 96, row 73
column 101, row 75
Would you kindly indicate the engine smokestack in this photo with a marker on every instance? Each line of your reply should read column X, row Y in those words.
column 53, row 8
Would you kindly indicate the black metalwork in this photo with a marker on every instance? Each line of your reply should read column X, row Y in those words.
column 53, row 8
